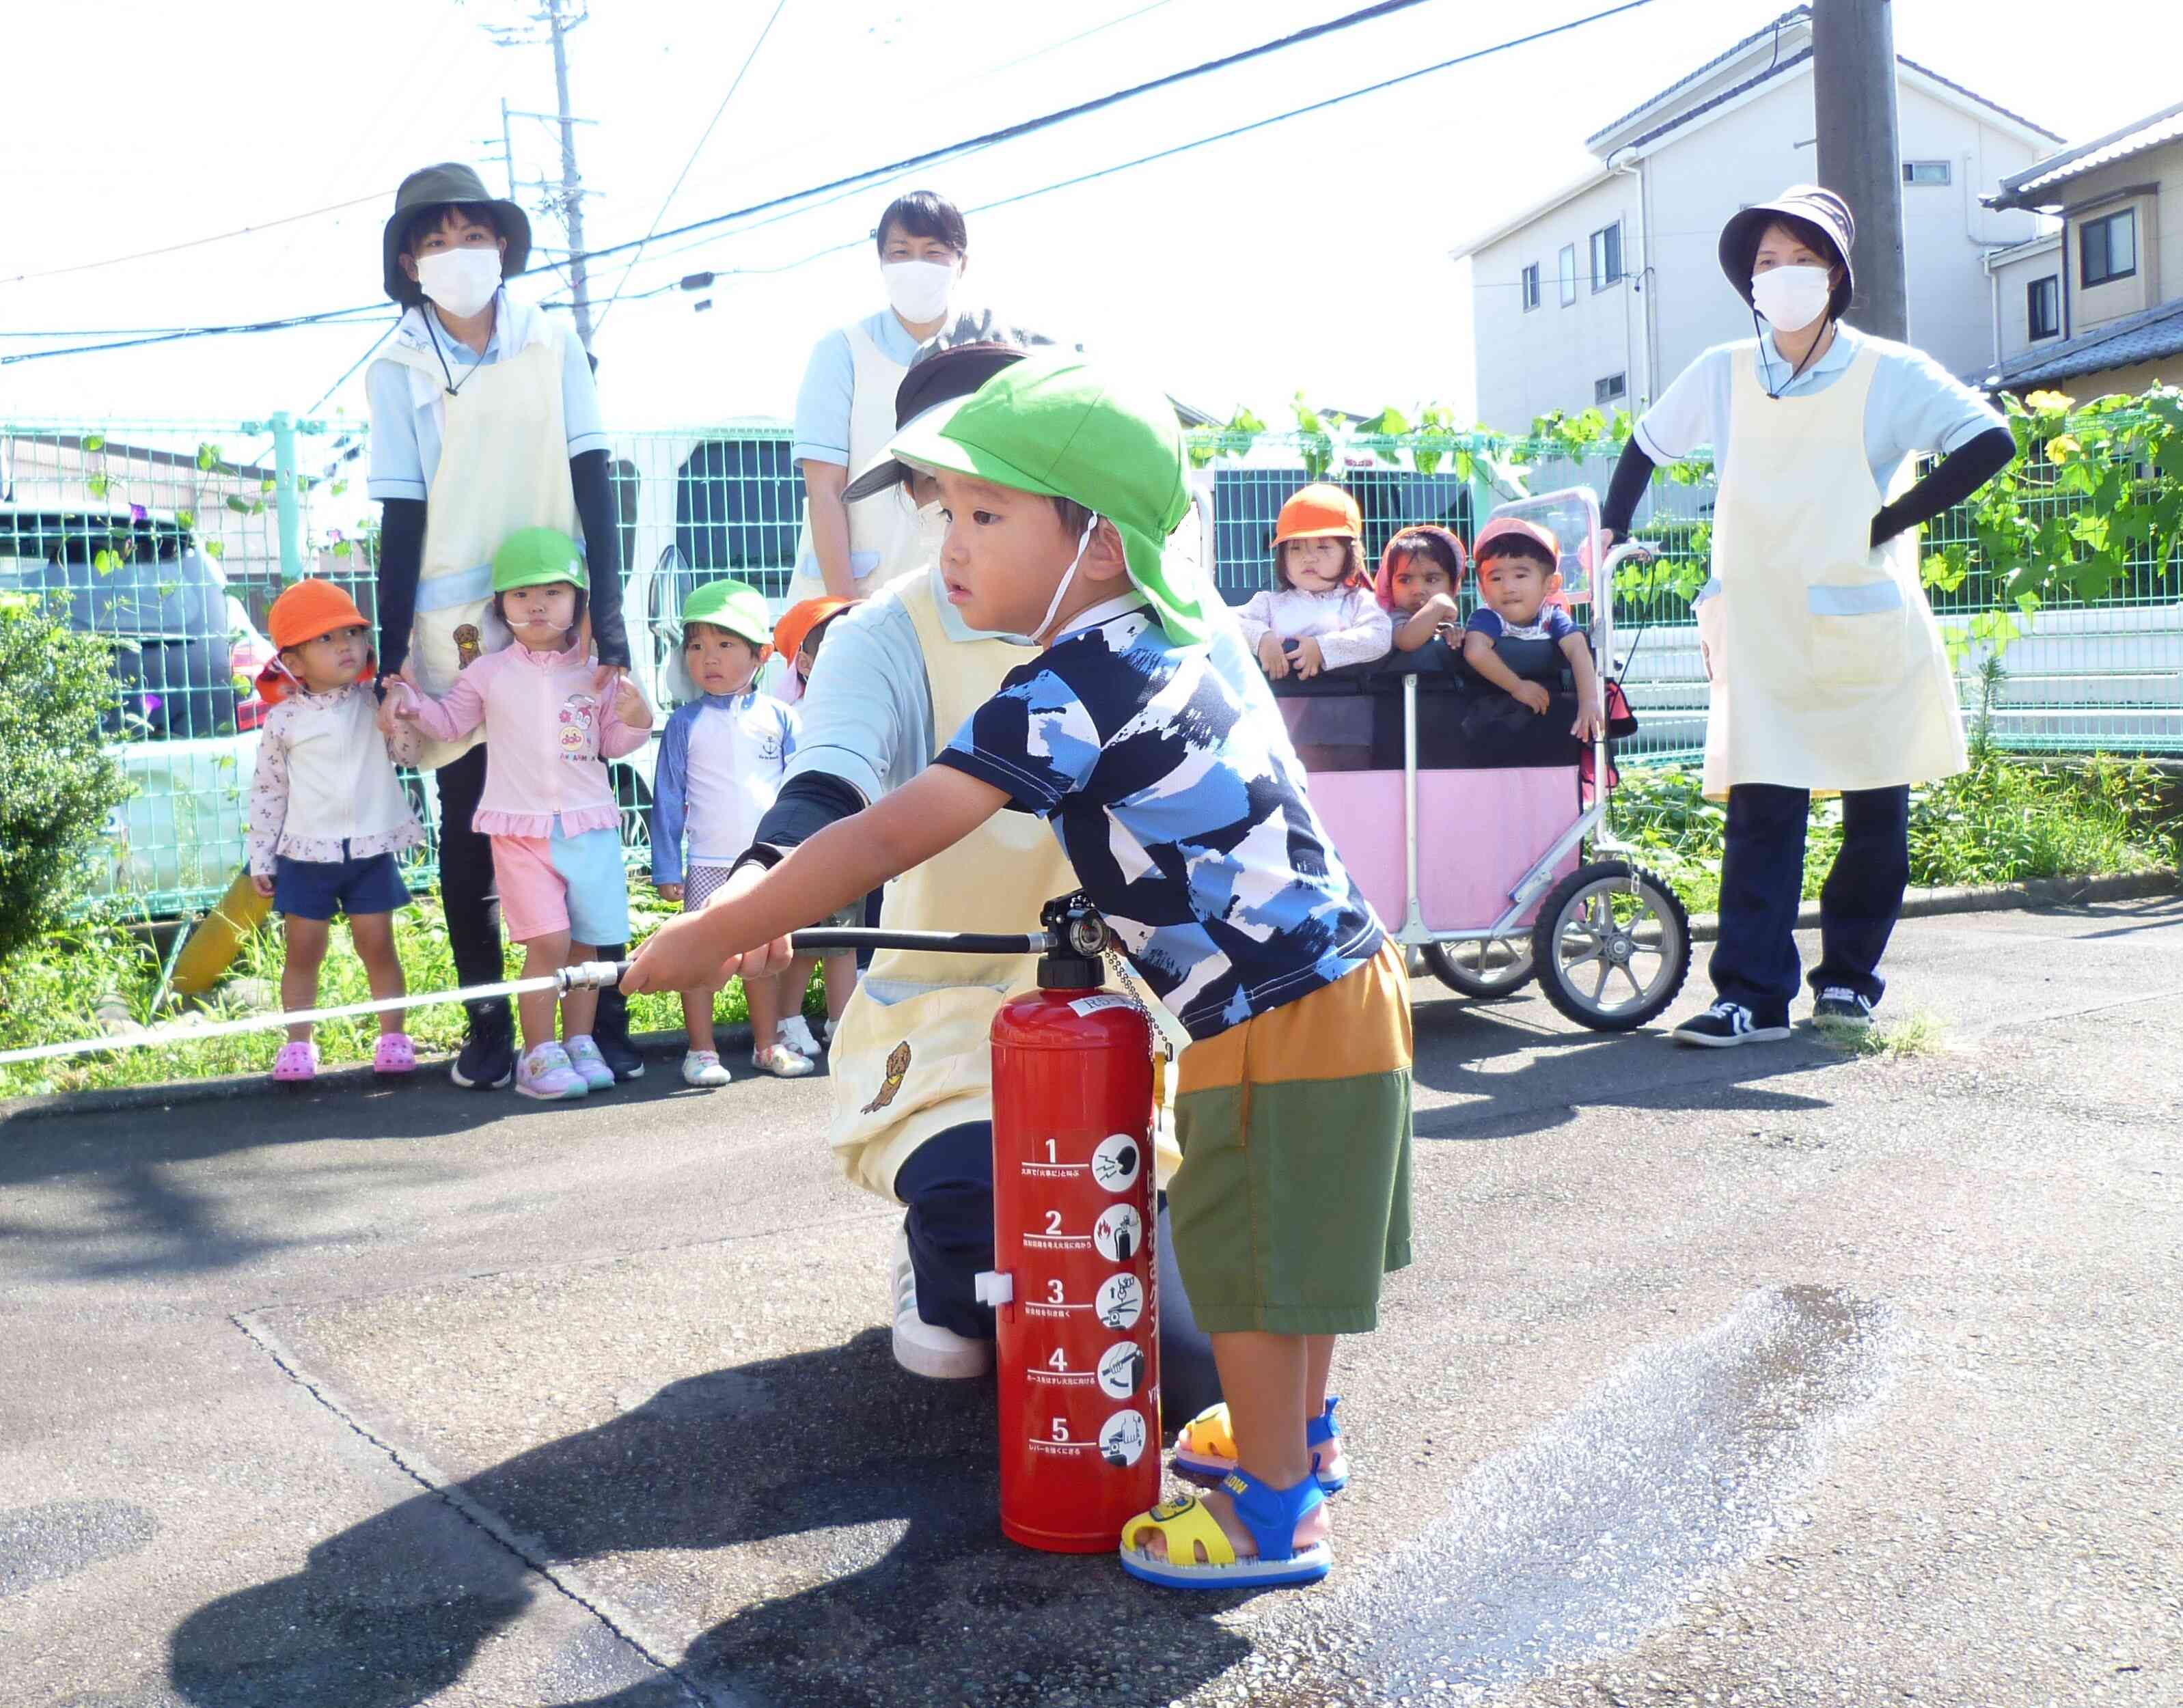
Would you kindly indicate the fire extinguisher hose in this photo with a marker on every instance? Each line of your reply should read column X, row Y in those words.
column 591, row 975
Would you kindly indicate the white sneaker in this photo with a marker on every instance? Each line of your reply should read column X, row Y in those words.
column 796, row 1033
column 782, row 1063
column 923, row 1348
column 704, row 1068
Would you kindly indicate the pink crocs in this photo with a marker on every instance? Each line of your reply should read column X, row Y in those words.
column 395, row 1052
column 296, row 1063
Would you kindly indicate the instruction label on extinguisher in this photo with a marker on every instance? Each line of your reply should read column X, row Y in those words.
column 1073, row 1228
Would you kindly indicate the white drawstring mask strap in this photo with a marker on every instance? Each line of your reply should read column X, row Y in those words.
column 1037, row 636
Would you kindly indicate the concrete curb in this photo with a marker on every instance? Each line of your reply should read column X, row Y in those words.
column 358, row 1077
column 1996, row 898
column 1999, row 898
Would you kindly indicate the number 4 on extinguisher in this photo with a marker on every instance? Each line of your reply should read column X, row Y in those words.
column 1060, row 1359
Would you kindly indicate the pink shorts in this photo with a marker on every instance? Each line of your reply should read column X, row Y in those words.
column 553, row 884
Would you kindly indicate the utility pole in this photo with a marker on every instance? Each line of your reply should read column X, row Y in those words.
column 558, row 19
column 1860, row 153
column 565, row 200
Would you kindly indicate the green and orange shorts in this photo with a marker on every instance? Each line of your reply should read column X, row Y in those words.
column 1293, row 1199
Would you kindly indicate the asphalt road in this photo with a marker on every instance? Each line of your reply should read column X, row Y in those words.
column 1766, row 1377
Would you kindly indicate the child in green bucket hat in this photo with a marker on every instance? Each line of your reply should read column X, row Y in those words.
column 721, row 758
column 1158, row 758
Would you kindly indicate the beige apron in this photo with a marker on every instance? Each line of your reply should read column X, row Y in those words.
column 882, row 528
column 1829, row 671
column 503, row 465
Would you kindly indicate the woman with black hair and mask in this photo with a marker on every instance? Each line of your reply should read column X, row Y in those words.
column 1828, row 670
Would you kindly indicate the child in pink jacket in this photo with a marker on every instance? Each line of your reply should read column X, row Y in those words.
column 556, row 828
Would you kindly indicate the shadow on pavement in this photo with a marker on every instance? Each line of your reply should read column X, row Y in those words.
column 154, row 1223
column 849, row 1514
column 1467, row 1049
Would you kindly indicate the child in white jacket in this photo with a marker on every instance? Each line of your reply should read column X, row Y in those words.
column 1322, row 615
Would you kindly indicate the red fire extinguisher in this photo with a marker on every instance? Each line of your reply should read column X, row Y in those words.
column 1074, row 1284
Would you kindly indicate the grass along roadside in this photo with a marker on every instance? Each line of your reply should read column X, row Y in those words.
column 2001, row 822
column 55, row 990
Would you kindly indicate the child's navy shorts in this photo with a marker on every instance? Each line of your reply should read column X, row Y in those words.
column 319, row 889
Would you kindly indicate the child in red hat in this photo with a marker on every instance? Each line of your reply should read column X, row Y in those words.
column 327, row 814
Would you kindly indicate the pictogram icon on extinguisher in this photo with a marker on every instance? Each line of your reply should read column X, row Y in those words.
column 1074, row 1283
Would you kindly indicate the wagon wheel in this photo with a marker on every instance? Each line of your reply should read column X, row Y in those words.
column 1612, row 944
column 1481, row 966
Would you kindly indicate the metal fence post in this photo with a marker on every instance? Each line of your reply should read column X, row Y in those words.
column 284, row 497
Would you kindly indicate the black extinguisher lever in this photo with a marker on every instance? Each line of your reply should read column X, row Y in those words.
column 1080, row 938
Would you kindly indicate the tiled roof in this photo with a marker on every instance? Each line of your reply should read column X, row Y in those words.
column 2145, row 336
column 2031, row 187
column 1795, row 15
column 1798, row 15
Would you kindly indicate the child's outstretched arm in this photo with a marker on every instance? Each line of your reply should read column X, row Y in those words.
column 849, row 858
column 1478, row 654
column 451, row 716
column 1590, row 714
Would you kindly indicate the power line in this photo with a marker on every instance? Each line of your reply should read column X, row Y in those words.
column 194, row 242
column 1199, row 142
column 735, row 84
column 1024, row 127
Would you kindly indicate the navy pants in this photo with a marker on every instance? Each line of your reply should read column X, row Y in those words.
column 466, row 879
column 947, row 1184
column 1762, row 879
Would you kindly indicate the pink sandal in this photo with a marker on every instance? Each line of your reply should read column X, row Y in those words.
column 395, row 1052
column 296, row 1063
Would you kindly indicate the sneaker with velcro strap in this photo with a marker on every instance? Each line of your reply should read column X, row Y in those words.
column 1728, row 1023
column 1837, row 1005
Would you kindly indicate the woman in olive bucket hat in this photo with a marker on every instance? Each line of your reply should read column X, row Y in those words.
column 1828, row 673
column 485, row 420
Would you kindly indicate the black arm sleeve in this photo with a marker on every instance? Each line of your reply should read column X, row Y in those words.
column 401, row 556
column 595, row 508
column 1626, row 488
column 806, row 805
column 1958, row 474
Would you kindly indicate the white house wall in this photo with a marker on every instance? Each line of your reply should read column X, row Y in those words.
column 2159, row 277
column 1694, row 177
column 1550, row 356
column 2012, row 281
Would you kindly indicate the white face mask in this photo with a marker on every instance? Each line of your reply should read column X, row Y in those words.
column 462, row 281
column 1037, row 636
column 1791, row 297
column 919, row 290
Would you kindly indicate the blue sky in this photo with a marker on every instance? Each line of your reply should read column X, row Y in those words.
column 1313, row 254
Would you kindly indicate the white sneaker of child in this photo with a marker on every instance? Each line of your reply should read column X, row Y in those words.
column 796, row 1033
column 923, row 1348
column 781, row 1061
column 705, row 1069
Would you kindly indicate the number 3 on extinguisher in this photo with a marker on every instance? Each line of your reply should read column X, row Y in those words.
column 1054, row 1292
column 1061, row 1428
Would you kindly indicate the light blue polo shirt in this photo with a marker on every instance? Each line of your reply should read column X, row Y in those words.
column 405, row 435
column 823, row 401
column 1915, row 404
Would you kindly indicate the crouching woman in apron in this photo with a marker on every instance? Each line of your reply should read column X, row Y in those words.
column 1828, row 670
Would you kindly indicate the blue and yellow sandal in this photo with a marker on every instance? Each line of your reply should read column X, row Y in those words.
column 1205, row 1451
column 1271, row 1515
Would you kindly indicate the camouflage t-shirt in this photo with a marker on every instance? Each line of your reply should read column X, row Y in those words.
column 1177, row 801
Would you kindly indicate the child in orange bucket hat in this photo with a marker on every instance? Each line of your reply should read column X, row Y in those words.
column 328, row 815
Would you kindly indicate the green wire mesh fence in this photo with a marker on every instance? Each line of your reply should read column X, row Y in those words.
column 172, row 538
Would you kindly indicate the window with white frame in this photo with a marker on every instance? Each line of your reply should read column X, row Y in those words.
column 2043, row 307
column 1531, row 287
column 1926, row 174
column 1569, row 273
column 2107, row 247
column 1612, row 389
column 1607, row 256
